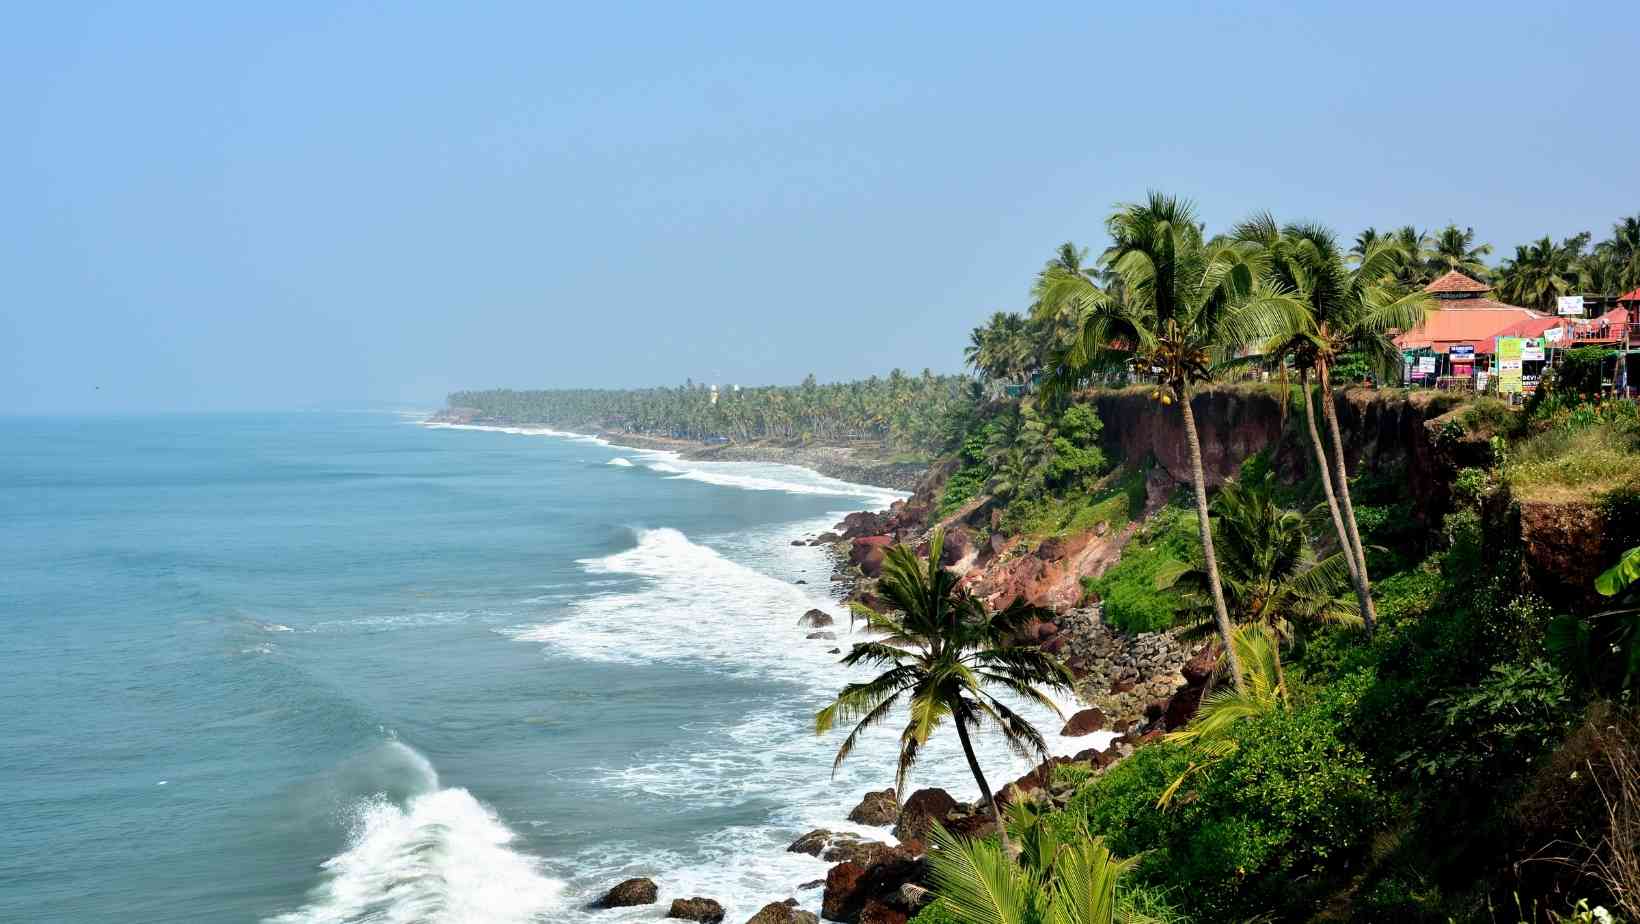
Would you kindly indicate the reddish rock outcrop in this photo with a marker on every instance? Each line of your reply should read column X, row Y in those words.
column 1082, row 723
column 876, row 808
column 925, row 807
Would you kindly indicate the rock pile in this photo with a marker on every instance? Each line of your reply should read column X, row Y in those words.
column 1119, row 674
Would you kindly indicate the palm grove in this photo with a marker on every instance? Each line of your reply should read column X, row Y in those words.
column 1172, row 310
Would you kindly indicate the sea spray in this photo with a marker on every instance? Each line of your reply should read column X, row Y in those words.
column 423, row 854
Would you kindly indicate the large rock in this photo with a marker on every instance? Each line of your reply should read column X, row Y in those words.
column 863, row 523
column 785, row 912
column 851, row 886
column 816, row 619
column 631, row 892
column 839, row 847
column 877, row 808
column 879, row 912
column 1085, row 722
column 704, row 910
column 925, row 807
column 867, row 554
column 829, row 636
column 1201, row 665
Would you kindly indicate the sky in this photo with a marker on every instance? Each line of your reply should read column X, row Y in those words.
column 226, row 206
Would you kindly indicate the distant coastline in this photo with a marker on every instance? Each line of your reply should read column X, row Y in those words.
column 853, row 463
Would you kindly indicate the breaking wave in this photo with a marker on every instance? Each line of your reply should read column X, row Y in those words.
column 418, row 852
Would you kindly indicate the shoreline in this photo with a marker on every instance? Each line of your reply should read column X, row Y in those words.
column 851, row 463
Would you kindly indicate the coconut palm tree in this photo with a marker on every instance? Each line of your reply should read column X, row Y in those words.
column 1455, row 249
column 1069, row 878
column 1186, row 305
column 1337, row 310
column 1271, row 574
column 942, row 654
column 1622, row 250
column 1541, row 271
column 1414, row 271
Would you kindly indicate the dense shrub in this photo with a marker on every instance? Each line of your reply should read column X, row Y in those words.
column 1259, row 831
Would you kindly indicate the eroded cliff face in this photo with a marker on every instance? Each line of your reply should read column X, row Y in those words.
column 1384, row 432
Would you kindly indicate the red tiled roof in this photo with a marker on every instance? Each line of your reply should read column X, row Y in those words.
column 1455, row 281
column 1531, row 327
column 1476, row 322
column 1633, row 296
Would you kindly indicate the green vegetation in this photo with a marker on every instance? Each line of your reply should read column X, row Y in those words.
column 1574, row 450
column 920, row 414
column 1130, row 598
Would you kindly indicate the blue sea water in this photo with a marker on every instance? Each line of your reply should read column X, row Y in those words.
column 347, row 668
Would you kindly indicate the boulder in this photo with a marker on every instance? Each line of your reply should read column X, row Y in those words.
column 827, row 538
column 704, row 910
column 785, row 912
column 867, row 554
column 824, row 635
column 878, row 912
column 631, row 892
column 1201, row 665
column 876, row 808
column 1085, row 722
column 811, row 843
column 923, row 808
column 834, row 651
column 850, row 887
column 798, row 542
column 863, row 523
column 816, row 619
column 812, row 884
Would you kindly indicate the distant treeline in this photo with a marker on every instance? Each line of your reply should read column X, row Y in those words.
column 922, row 413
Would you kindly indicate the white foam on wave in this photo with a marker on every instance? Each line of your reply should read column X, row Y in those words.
column 519, row 431
column 440, row 857
column 766, row 476
column 698, row 604
column 619, row 461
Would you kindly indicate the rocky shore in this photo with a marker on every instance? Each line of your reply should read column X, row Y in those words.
column 1134, row 688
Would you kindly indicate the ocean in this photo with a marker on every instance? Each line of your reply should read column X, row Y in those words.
column 307, row 668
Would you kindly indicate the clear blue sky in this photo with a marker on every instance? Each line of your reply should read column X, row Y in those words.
column 226, row 205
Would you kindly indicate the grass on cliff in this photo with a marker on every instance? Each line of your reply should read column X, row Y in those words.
column 1116, row 500
column 1578, row 454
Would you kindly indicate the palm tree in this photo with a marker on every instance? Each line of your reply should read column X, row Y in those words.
column 1186, row 305
column 1271, row 575
column 1414, row 270
column 1455, row 249
column 942, row 651
column 1623, row 251
column 1337, row 310
column 1069, row 878
column 1541, row 271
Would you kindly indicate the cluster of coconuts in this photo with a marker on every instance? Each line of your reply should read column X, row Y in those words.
column 1157, row 394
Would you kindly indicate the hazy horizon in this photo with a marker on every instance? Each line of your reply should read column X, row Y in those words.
column 219, row 208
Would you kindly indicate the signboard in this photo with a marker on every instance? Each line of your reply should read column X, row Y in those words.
column 1553, row 335
column 1426, row 365
column 1462, row 351
column 1480, row 380
column 1509, row 365
column 1406, row 368
column 1569, row 305
column 1531, row 350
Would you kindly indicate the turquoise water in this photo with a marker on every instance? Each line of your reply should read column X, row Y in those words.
column 342, row 667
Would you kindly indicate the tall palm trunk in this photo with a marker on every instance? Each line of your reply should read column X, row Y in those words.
column 984, row 787
column 1198, row 477
column 1362, row 597
column 1363, row 584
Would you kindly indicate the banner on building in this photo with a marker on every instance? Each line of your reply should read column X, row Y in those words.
column 1569, row 305
column 1461, row 351
column 1531, row 350
column 1509, row 350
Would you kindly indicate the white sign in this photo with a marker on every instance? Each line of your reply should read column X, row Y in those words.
column 1532, row 349
column 1569, row 304
column 1426, row 364
column 1480, row 381
column 1553, row 334
column 1508, row 365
